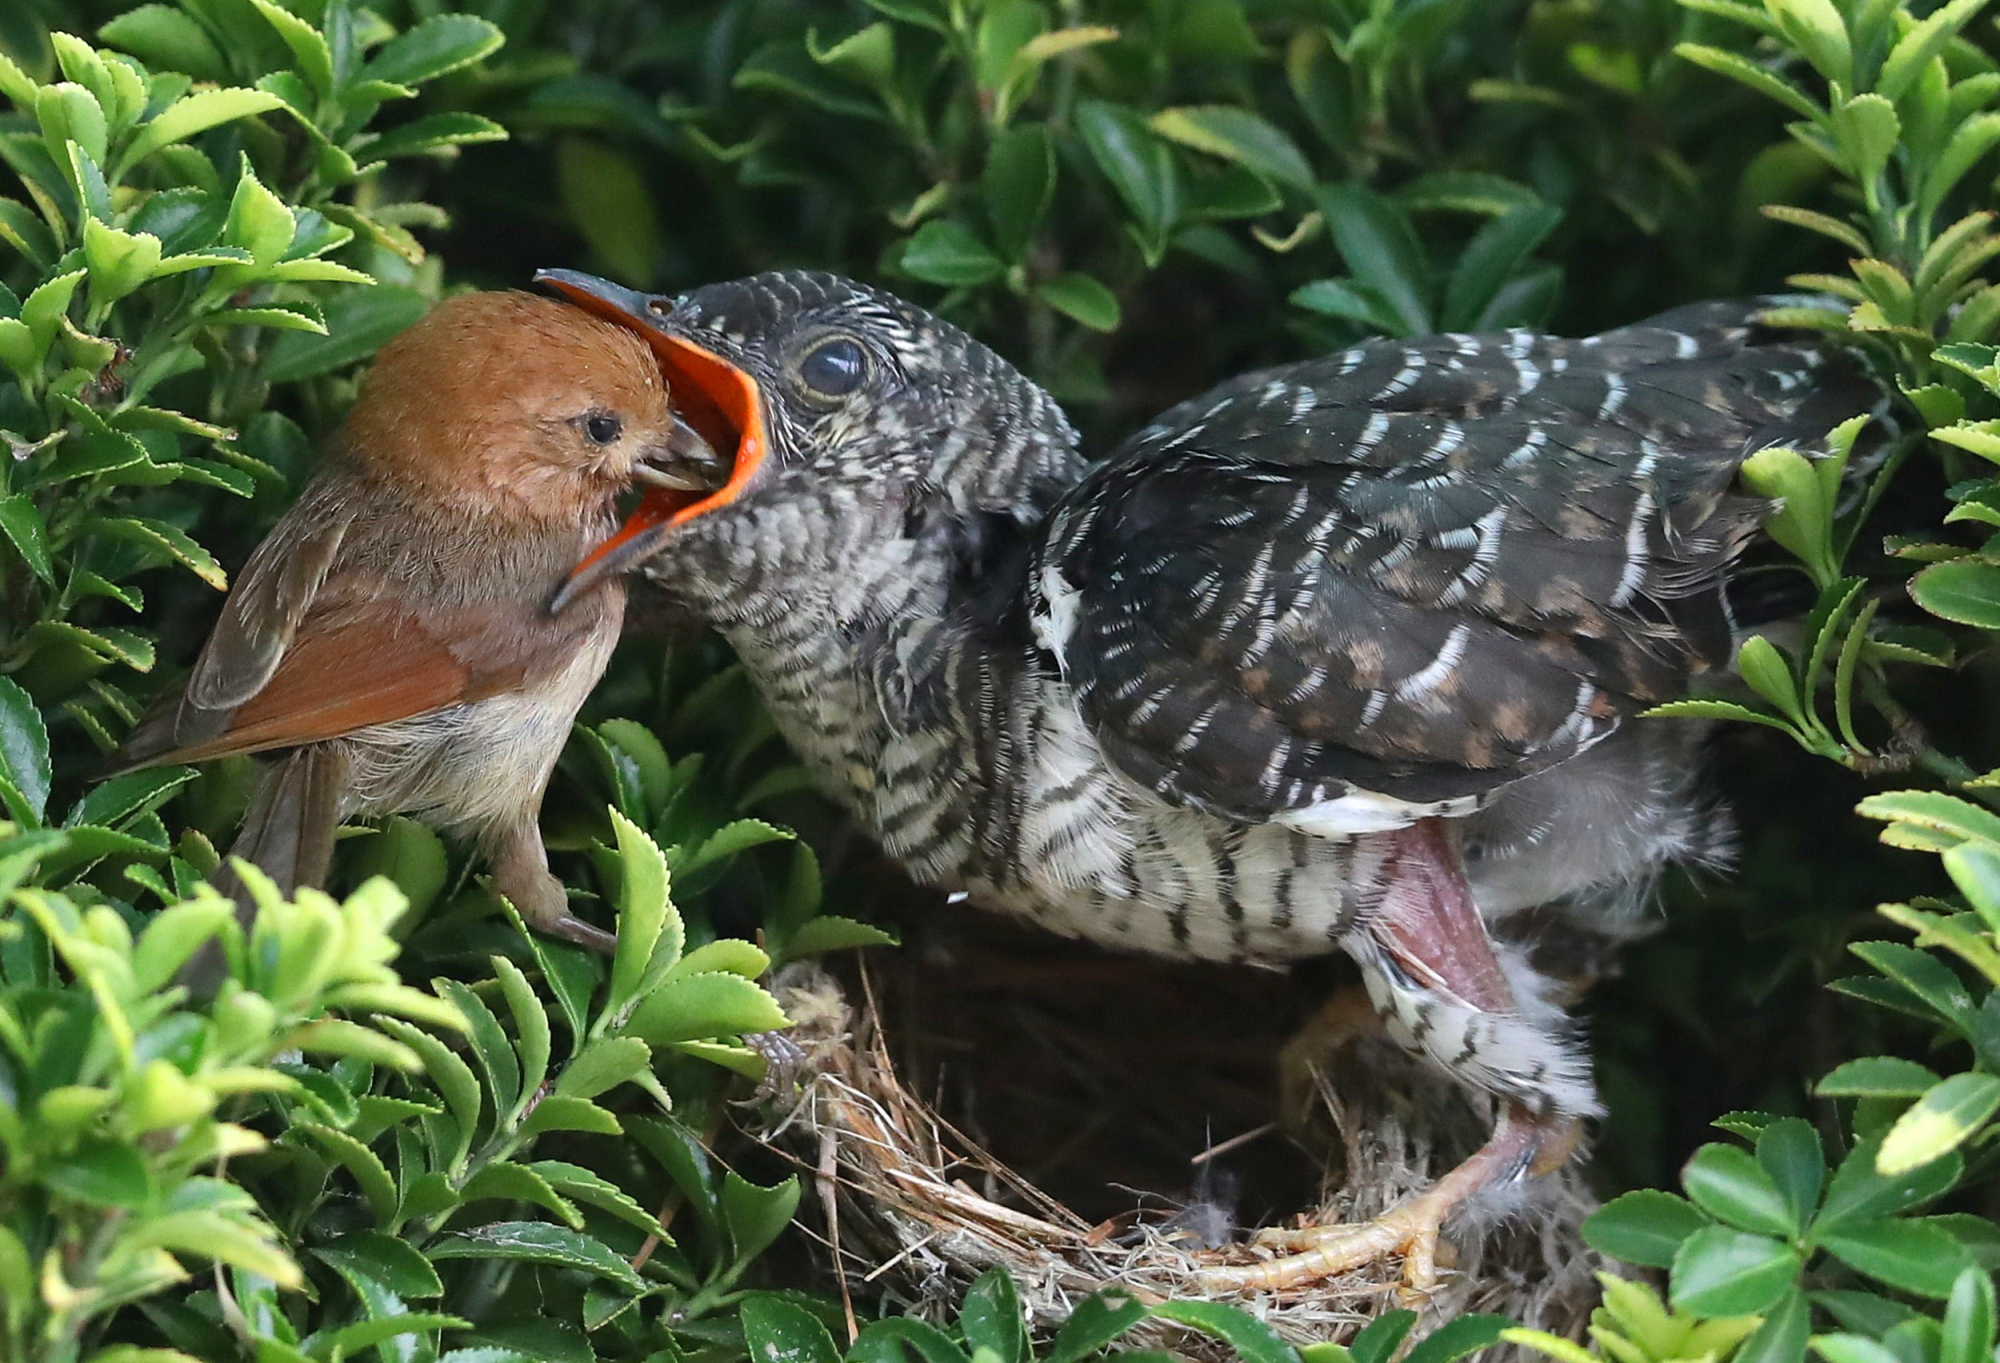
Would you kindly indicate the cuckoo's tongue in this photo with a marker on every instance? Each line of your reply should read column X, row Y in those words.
column 717, row 400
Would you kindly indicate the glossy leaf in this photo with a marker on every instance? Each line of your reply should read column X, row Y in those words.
column 1718, row 1271
column 1646, row 1227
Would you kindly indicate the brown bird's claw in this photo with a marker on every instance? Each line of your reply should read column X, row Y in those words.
column 573, row 929
column 1520, row 1146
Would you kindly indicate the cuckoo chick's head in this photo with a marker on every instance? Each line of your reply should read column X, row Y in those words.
column 794, row 375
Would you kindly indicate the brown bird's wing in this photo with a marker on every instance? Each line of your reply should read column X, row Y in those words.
column 1420, row 570
column 305, row 651
column 351, row 664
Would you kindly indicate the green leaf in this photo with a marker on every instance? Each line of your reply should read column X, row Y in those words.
column 831, row 932
column 1458, row 1337
column 1380, row 246
column 308, row 45
column 1876, row 1076
column 867, row 56
column 1646, row 1227
column 1789, row 1151
column 490, row 1046
column 1380, row 1338
column 1747, row 72
column 119, row 261
column 189, row 115
column 1139, row 166
column 945, row 252
column 1083, row 299
column 1943, row 1119
column 1782, row 1336
column 1934, row 810
column 1925, row 39
column 1969, row 1320
column 1966, row 592
column 1866, row 129
column 1019, row 178
column 362, row 1335
column 1236, row 135
column 581, row 1184
column 211, row 1235
column 1720, row 1271
column 531, row 1030
column 510, row 1182
column 609, row 203
column 991, row 1319
column 454, row 1080
column 1728, row 1183
column 883, row 1341
column 603, row 1064
column 1905, row 1254
column 1493, row 257
column 431, row 133
column 441, row 43
column 122, row 797
column 102, row 1173
column 776, row 1331
column 645, row 917
column 538, row 1242
column 1253, row 1340
column 168, row 540
column 24, row 747
column 369, row 1173
column 1975, row 869
column 1770, row 676
column 358, row 322
column 706, row 1005
column 1819, row 31
column 167, row 39
column 755, row 1215
column 564, row 1112
column 1098, row 1319
column 1859, row 1193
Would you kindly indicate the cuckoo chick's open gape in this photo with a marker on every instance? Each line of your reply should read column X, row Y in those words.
column 1338, row 656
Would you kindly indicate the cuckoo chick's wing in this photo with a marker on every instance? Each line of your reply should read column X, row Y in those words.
column 1355, row 591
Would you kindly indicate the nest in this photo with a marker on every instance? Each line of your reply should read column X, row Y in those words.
column 1089, row 1120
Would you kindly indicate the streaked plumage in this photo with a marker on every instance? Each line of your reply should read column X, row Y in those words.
column 1252, row 687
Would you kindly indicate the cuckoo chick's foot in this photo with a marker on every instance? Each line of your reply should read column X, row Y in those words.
column 1521, row 1146
column 1438, row 983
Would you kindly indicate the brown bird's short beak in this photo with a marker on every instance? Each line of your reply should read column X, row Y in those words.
column 719, row 411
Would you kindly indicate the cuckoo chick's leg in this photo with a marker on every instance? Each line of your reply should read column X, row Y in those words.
column 1436, row 980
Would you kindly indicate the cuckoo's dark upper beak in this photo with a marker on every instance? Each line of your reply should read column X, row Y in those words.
column 718, row 402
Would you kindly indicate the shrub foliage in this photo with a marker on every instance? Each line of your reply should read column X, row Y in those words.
column 215, row 210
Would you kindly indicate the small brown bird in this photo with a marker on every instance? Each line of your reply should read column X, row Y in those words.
column 391, row 638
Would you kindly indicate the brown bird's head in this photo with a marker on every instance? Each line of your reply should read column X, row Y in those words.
column 828, row 397
column 518, row 406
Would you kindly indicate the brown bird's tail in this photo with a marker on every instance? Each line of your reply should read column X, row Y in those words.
column 288, row 832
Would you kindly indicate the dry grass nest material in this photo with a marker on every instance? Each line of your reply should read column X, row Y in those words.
column 1098, row 1135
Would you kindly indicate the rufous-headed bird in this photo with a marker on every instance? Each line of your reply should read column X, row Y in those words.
column 1342, row 655
column 389, row 645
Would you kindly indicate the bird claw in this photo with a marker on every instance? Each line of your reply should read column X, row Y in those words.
column 573, row 929
column 1520, row 1146
column 1316, row 1253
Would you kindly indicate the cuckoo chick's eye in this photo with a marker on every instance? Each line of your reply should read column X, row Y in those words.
column 603, row 429
column 833, row 368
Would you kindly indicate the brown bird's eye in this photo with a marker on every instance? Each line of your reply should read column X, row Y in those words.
column 833, row 369
column 603, row 429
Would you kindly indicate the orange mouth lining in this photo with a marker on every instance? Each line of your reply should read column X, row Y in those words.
column 719, row 400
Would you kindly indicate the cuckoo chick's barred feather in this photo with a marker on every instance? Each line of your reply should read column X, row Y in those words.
column 1206, row 698
column 1409, row 574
